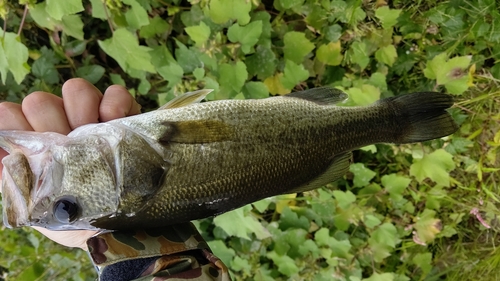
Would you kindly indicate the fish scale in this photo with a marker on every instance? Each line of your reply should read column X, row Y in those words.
column 190, row 160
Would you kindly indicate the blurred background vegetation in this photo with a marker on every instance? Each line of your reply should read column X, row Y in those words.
column 410, row 212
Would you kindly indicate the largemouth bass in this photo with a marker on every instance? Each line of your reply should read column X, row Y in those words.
column 190, row 160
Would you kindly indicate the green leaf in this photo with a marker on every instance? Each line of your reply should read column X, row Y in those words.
column 285, row 264
column 450, row 73
column 265, row 18
column 41, row 17
column 262, row 63
column 58, row 9
column 427, row 226
column 171, row 72
column 247, row 35
column 144, row 87
column 424, row 261
column 188, row 59
column 386, row 234
column 262, row 205
column 378, row 80
column 193, row 16
column 293, row 74
column 73, row 26
column 317, row 16
column 457, row 86
column 275, row 86
column 125, row 49
column 233, row 76
column 371, row 221
column 296, row 46
column 362, row 175
column 295, row 237
column 386, row 55
column 388, row 17
column 290, row 219
column 136, row 16
column 459, row 145
column 198, row 33
column 380, row 277
column 246, row 224
column 344, row 199
column 75, row 48
column 288, row 4
column 13, row 57
column 156, row 26
column 359, row 54
column 239, row 264
column 199, row 73
column 435, row 166
column 309, row 247
column 330, row 54
column 395, row 185
column 220, row 250
column 353, row 12
column 97, row 9
column 255, row 90
column 340, row 248
column 223, row 10
column 91, row 73
column 433, row 67
column 117, row 79
column 333, row 33
column 365, row 95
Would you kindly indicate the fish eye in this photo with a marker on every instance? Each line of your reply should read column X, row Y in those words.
column 66, row 210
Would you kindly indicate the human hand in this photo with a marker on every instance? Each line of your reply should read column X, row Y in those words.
column 81, row 104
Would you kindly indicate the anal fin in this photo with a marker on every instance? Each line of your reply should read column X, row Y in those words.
column 337, row 169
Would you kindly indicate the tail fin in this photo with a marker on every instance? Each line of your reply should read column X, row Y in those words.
column 426, row 114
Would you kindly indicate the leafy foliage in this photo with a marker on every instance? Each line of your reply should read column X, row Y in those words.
column 412, row 212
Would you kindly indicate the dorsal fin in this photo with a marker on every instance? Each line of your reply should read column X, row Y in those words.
column 186, row 98
column 321, row 95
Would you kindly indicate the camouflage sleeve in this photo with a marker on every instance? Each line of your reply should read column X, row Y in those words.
column 171, row 253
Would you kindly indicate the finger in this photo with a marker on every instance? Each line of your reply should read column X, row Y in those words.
column 81, row 102
column 117, row 103
column 11, row 118
column 45, row 112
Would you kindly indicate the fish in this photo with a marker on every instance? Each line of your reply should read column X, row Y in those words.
column 190, row 160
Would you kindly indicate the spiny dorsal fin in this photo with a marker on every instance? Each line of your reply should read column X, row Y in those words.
column 197, row 131
column 337, row 169
column 321, row 95
column 186, row 98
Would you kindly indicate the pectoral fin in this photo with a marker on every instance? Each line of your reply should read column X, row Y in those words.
column 186, row 99
column 337, row 169
column 321, row 95
column 201, row 131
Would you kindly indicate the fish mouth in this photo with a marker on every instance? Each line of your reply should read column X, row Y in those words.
column 17, row 179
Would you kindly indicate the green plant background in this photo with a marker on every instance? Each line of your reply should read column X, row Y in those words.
column 410, row 212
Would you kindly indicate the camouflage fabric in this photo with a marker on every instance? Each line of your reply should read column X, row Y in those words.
column 176, row 252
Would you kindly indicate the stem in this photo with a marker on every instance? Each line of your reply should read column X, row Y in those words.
column 22, row 20
column 4, row 28
column 107, row 17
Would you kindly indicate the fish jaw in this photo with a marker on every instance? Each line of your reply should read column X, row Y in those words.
column 17, row 180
